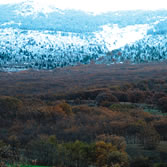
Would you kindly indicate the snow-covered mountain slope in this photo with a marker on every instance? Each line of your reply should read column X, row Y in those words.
column 31, row 16
column 149, row 49
column 46, row 38
column 31, row 7
column 48, row 49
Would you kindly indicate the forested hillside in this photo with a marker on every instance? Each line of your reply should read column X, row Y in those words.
column 119, row 121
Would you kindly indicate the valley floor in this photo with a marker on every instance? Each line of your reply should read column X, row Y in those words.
column 81, row 77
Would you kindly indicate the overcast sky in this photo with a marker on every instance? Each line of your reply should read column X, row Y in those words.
column 99, row 5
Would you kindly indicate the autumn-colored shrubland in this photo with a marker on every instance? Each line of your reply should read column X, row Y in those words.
column 52, row 121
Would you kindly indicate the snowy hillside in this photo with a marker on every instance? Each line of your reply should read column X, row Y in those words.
column 46, row 38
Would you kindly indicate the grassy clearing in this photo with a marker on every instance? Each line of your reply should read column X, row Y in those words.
column 155, row 112
column 160, row 153
column 136, row 150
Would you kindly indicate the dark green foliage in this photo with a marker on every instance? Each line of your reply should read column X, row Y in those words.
column 117, row 157
column 163, row 103
column 161, row 165
column 141, row 162
column 9, row 106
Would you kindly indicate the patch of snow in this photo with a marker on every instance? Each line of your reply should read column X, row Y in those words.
column 116, row 37
column 10, row 23
column 31, row 7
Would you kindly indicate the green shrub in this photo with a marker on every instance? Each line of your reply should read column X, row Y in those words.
column 122, row 107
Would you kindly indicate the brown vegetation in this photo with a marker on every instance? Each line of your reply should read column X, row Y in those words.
column 41, row 112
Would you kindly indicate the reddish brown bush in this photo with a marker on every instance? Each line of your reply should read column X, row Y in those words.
column 105, row 99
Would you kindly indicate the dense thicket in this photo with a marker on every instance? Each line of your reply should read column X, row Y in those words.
column 93, row 127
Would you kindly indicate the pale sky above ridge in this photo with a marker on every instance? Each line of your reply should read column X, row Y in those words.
column 97, row 6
